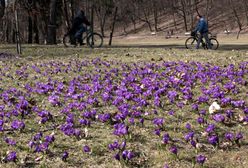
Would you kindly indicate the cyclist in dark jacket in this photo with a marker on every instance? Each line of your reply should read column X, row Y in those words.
column 202, row 28
column 78, row 26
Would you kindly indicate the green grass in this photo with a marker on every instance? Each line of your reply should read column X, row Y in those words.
column 152, row 154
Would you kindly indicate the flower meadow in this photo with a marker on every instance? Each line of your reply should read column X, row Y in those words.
column 97, row 113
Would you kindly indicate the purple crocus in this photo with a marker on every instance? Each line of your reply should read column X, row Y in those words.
column 200, row 159
column 10, row 141
column 189, row 136
column 210, row 128
column 86, row 149
column 188, row 126
column 130, row 155
column 158, row 122
column 219, row 118
column 38, row 136
column 239, row 136
column 157, row 132
column 200, row 120
column 195, row 107
column 166, row 138
column 50, row 138
column 54, row 100
column 229, row 136
column 193, row 143
column 11, row 157
column 114, row 145
column 117, row 156
column 213, row 140
column 127, row 155
column 173, row 150
column 17, row 125
column 120, row 129
column 65, row 156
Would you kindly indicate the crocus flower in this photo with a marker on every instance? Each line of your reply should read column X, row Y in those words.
column 210, row 128
column 239, row 136
column 127, row 155
column 130, row 155
column 157, row 132
column 54, row 100
column 193, row 143
column 38, row 136
column 173, row 150
column 86, row 149
column 17, row 125
column 166, row 138
column 200, row 120
column 189, row 136
column 200, row 159
column 229, row 136
column 11, row 157
column 158, row 122
column 120, row 129
column 65, row 156
column 10, row 141
column 219, row 118
column 50, row 138
column 188, row 126
column 117, row 156
column 213, row 139
column 114, row 145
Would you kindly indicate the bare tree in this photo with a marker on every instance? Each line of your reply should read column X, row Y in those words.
column 52, row 23
column 2, row 8
column 236, row 16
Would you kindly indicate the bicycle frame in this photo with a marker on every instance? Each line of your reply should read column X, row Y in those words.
column 202, row 41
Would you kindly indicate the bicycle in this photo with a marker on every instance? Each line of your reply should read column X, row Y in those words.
column 191, row 42
column 93, row 39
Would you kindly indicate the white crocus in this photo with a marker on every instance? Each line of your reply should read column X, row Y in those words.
column 214, row 107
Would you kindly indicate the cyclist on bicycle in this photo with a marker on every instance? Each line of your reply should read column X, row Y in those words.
column 78, row 26
column 202, row 28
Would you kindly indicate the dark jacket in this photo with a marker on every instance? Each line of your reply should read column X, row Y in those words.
column 202, row 26
column 78, row 20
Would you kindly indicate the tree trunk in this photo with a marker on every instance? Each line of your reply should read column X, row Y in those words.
column 36, row 31
column 30, row 29
column 113, row 26
column 102, row 16
column 65, row 11
column 155, row 15
column 246, row 10
column 51, row 39
column 72, row 9
column 175, row 22
column 2, row 8
column 237, row 18
column 184, row 15
column 102, row 24
column 134, row 24
column 147, row 20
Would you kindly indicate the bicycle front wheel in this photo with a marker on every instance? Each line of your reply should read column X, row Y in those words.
column 191, row 43
column 214, row 43
column 95, row 40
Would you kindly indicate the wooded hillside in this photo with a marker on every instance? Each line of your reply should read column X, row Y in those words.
column 45, row 21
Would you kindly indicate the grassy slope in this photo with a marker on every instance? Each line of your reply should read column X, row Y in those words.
column 99, row 134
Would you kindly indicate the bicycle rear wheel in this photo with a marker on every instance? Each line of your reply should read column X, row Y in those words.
column 68, row 41
column 95, row 40
column 190, row 43
column 214, row 43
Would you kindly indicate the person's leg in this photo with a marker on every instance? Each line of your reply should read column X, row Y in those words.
column 205, row 35
column 79, row 34
column 199, row 41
